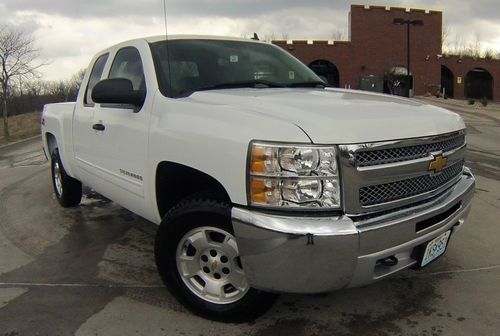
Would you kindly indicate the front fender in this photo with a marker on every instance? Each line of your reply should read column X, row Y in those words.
column 213, row 139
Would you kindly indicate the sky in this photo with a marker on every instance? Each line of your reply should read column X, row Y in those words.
column 68, row 33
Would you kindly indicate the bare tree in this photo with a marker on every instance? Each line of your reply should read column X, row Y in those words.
column 339, row 35
column 474, row 49
column 17, row 62
column 460, row 47
column 36, row 87
column 489, row 53
column 74, row 84
column 445, row 35
column 270, row 37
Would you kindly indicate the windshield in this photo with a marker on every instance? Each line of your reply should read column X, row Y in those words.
column 215, row 64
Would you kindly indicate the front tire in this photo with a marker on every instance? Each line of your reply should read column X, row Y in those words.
column 198, row 260
column 67, row 189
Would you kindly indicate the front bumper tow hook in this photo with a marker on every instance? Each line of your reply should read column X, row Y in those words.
column 389, row 261
column 310, row 239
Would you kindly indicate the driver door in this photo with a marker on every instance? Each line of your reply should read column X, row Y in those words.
column 121, row 133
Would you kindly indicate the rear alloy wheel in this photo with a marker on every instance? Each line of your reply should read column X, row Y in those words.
column 198, row 259
column 67, row 189
column 58, row 178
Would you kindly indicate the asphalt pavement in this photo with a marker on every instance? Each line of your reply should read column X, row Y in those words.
column 90, row 270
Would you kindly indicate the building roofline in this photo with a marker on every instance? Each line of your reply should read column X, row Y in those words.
column 402, row 9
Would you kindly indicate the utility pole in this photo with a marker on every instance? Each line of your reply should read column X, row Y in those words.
column 408, row 23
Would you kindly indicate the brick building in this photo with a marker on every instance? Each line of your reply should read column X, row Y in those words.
column 376, row 54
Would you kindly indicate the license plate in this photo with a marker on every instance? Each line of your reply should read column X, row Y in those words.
column 435, row 248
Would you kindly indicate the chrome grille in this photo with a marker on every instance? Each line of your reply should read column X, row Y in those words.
column 391, row 155
column 382, row 193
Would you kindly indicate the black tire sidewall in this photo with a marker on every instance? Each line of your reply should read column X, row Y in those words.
column 55, row 159
column 71, row 188
column 175, row 225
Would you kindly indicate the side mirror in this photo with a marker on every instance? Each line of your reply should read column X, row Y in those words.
column 117, row 91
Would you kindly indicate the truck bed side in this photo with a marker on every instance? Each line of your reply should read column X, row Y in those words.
column 57, row 127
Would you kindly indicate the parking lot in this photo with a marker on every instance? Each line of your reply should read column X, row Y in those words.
column 90, row 270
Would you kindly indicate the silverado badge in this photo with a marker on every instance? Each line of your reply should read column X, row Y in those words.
column 438, row 163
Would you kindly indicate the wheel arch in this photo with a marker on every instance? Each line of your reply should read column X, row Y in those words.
column 183, row 181
column 51, row 143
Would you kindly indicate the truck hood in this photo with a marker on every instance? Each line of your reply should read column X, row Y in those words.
column 336, row 116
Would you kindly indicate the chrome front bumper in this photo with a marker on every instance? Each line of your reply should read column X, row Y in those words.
column 320, row 254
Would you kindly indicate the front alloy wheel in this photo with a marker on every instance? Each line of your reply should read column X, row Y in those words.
column 197, row 257
column 209, row 264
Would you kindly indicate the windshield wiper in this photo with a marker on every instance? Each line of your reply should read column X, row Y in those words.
column 255, row 83
column 314, row 84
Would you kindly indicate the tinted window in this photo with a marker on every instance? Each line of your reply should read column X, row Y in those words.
column 205, row 64
column 95, row 76
column 128, row 65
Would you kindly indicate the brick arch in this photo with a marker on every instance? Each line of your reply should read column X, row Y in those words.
column 478, row 84
column 447, row 81
column 326, row 69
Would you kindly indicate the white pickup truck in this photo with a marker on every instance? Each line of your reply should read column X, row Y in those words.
column 262, row 180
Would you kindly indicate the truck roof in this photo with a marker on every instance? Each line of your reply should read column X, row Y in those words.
column 197, row 37
column 157, row 38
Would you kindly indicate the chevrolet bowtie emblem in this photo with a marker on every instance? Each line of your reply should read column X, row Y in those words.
column 438, row 163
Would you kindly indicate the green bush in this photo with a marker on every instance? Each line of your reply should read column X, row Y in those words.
column 471, row 101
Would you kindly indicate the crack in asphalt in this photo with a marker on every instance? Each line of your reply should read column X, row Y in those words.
column 484, row 166
column 127, row 286
column 495, row 120
column 33, row 284
column 487, row 153
column 458, row 271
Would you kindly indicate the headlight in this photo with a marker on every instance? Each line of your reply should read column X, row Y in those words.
column 294, row 176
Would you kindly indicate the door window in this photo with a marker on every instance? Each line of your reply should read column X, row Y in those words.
column 128, row 65
column 95, row 76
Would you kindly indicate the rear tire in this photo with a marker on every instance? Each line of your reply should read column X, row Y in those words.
column 67, row 189
column 198, row 260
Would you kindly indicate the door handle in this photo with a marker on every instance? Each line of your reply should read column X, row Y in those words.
column 99, row 127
